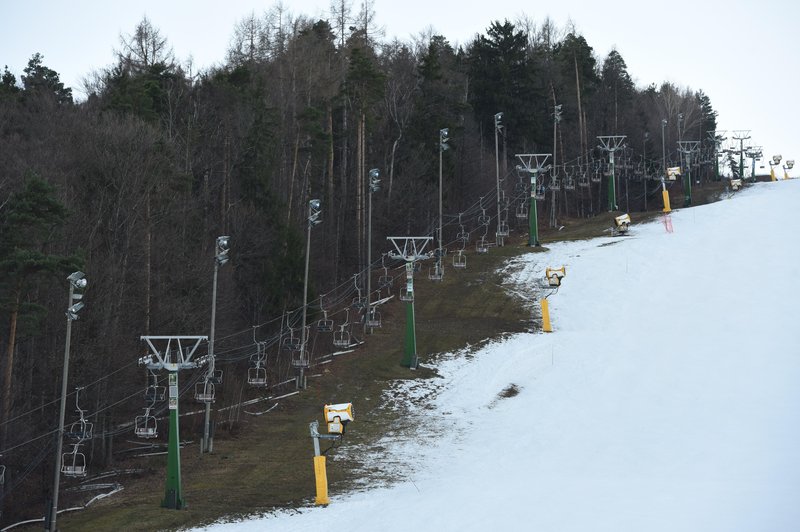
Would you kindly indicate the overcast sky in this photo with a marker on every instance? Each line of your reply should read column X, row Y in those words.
column 743, row 55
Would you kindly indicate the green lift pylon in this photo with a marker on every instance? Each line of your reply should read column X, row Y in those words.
column 174, row 357
column 533, row 164
column 409, row 249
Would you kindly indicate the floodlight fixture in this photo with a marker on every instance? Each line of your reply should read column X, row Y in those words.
column 497, row 118
column 443, row 133
column 374, row 181
column 77, row 280
column 223, row 249
column 72, row 312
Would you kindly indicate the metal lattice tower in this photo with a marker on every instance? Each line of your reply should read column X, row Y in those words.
column 409, row 249
column 534, row 164
column 177, row 354
column 611, row 143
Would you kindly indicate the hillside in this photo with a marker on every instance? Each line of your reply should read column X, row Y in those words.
column 470, row 306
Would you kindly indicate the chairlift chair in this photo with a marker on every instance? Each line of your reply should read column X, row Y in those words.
column 216, row 377
column 522, row 211
column 73, row 464
column 595, row 176
column 555, row 183
column 81, row 430
column 257, row 376
column 405, row 295
column 481, row 246
column 502, row 229
column 325, row 324
column 436, row 272
column 539, row 192
column 341, row 338
column 460, row 260
column 374, row 318
column 483, row 218
column 291, row 343
column 146, row 426
column 155, row 393
column 300, row 359
column 204, row 392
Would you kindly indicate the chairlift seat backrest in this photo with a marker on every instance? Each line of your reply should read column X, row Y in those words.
column 460, row 260
column 341, row 338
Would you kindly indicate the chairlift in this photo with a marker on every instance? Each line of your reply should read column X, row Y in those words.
column 374, row 318
column 539, row 192
column 73, row 464
column 481, row 246
column 204, row 392
column 436, row 272
column 290, row 343
column 341, row 338
column 216, row 377
column 460, row 260
column 257, row 376
column 522, row 211
column 300, row 359
column 555, row 183
column 325, row 324
column 569, row 180
column 80, row 430
column 596, row 176
column 155, row 393
column 146, row 426
column 502, row 229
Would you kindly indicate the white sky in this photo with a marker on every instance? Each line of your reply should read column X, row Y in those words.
column 741, row 54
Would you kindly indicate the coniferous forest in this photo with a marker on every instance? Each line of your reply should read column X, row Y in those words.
column 133, row 184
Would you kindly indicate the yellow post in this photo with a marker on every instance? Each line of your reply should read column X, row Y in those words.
column 546, row 327
column 321, row 476
column 772, row 173
column 665, row 196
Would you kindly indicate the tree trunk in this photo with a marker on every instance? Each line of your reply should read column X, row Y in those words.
column 8, row 388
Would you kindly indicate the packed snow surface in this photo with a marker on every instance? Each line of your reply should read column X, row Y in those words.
column 667, row 398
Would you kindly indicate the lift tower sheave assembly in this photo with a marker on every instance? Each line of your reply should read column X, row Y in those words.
column 409, row 249
column 534, row 164
column 611, row 144
column 177, row 354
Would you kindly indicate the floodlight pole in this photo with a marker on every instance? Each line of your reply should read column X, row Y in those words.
column 220, row 257
column 313, row 219
column 611, row 144
column 556, row 120
column 76, row 280
column 497, row 128
column 409, row 249
column 687, row 148
column 439, row 268
column 173, row 358
column 374, row 186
